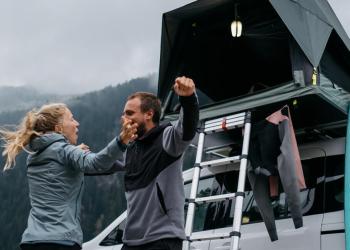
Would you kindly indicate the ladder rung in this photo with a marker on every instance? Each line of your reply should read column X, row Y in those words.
column 220, row 162
column 215, row 198
column 225, row 120
column 214, row 236
column 240, row 115
column 229, row 125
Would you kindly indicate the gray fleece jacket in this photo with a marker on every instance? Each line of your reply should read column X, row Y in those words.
column 56, row 181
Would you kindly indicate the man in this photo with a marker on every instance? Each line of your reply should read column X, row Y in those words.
column 153, row 179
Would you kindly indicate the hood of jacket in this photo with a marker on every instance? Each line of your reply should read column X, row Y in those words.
column 41, row 142
column 154, row 132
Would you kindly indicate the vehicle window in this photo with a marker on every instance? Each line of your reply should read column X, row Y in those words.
column 311, row 198
column 114, row 237
column 189, row 158
column 335, row 183
column 190, row 154
column 220, row 214
column 204, row 189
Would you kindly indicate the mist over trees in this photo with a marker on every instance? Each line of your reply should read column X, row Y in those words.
column 24, row 97
column 98, row 114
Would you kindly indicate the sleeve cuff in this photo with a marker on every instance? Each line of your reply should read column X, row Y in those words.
column 188, row 100
column 121, row 145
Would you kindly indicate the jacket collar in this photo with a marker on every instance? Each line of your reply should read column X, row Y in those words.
column 153, row 132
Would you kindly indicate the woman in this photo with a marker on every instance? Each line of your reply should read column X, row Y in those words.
column 55, row 171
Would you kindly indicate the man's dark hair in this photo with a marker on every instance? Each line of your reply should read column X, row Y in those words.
column 148, row 102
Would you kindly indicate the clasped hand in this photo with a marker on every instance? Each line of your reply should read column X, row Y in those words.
column 184, row 86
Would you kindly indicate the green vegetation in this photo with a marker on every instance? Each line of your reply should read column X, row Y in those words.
column 98, row 114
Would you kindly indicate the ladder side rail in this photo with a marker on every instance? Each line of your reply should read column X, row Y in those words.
column 194, row 188
column 241, row 183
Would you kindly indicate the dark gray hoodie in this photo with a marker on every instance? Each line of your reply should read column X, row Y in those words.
column 153, row 179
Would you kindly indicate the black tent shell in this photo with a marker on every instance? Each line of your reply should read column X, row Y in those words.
column 290, row 51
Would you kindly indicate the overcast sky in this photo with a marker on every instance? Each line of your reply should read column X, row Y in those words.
column 71, row 46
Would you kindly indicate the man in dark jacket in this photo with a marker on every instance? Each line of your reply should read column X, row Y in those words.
column 153, row 179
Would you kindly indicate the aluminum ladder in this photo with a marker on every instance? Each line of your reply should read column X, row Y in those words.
column 213, row 126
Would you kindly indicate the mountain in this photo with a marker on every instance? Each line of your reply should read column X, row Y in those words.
column 24, row 97
column 98, row 114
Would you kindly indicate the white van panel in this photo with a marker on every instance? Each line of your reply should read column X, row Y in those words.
column 94, row 243
column 255, row 236
column 333, row 242
column 333, row 218
column 199, row 245
column 332, row 233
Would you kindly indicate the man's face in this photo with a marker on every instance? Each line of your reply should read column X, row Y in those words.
column 132, row 111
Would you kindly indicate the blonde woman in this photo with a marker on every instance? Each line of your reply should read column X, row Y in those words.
column 55, row 171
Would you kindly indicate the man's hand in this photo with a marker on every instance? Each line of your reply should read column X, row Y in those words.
column 184, row 86
column 128, row 131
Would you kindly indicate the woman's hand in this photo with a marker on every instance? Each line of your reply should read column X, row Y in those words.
column 128, row 131
column 84, row 147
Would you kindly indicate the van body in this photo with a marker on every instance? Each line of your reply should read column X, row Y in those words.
column 322, row 206
column 269, row 67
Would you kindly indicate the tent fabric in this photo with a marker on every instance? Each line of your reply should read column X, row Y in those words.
column 334, row 21
column 338, row 96
column 301, row 66
column 271, row 65
column 311, row 23
column 335, row 64
column 192, row 44
column 171, row 24
column 196, row 42
column 330, row 95
column 311, row 30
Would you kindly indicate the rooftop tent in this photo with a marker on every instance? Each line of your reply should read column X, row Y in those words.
column 197, row 42
column 283, row 44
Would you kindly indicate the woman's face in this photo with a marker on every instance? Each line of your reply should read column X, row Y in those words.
column 70, row 127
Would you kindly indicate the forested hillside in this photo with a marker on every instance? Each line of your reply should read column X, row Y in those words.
column 98, row 114
column 22, row 97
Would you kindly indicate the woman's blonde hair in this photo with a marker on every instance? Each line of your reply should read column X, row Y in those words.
column 35, row 123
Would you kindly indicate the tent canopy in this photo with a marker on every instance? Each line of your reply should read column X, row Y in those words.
column 311, row 23
column 280, row 39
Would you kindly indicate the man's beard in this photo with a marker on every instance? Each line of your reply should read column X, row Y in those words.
column 141, row 129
